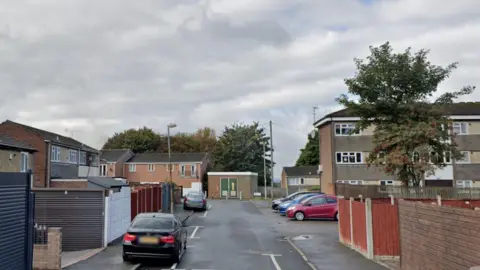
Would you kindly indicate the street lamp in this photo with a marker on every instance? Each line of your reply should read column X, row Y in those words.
column 169, row 126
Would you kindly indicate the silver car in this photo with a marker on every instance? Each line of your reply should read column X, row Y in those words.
column 195, row 200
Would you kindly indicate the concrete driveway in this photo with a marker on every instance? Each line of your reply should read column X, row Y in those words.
column 231, row 235
column 318, row 240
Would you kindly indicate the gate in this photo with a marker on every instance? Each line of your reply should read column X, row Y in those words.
column 16, row 222
column 228, row 187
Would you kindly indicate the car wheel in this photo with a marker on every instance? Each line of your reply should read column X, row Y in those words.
column 299, row 216
column 126, row 258
column 176, row 255
column 336, row 216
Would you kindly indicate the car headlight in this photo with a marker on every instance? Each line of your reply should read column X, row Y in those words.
column 291, row 208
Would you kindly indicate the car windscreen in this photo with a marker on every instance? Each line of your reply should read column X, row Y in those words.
column 305, row 199
column 300, row 198
column 153, row 223
column 194, row 196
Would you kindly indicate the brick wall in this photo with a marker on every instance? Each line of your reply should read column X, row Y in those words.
column 69, row 184
column 39, row 162
column 438, row 237
column 49, row 256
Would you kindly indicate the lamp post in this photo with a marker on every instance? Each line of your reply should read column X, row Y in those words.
column 264, row 170
column 169, row 126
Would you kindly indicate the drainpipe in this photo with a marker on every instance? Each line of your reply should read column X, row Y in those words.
column 48, row 163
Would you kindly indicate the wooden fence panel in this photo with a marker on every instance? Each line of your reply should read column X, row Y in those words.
column 359, row 221
column 344, row 221
column 386, row 232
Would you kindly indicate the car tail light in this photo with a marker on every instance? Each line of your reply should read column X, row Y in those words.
column 168, row 239
column 129, row 237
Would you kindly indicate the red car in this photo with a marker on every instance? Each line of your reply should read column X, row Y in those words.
column 321, row 206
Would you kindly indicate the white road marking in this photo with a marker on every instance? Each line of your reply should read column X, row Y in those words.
column 209, row 206
column 195, row 231
column 272, row 257
column 205, row 214
column 136, row 266
column 174, row 266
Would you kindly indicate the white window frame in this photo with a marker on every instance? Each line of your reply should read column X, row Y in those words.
column 168, row 165
column 55, row 153
column 103, row 170
column 193, row 170
column 343, row 126
column 183, row 170
column 82, row 158
column 387, row 182
column 71, row 154
column 355, row 182
column 23, row 162
column 464, row 184
column 464, row 161
column 132, row 168
column 462, row 128
column 348, row 155
column 151, row 167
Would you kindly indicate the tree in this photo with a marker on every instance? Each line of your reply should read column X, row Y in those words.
column 240, row 149
column 138, row 140
column 146, row 140
column 309, row 155
column 394, row 93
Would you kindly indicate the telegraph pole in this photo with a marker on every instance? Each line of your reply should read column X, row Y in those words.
column 265, row 169
column 271, row 157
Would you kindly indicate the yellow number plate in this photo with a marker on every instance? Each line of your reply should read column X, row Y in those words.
column 148, row 240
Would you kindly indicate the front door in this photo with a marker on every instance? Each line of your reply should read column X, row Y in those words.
column 233, row 187
column 228, row 186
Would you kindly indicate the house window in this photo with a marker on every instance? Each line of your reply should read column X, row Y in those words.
column 55, row 155
column 73, row 156
column 24, row 162
column 464, row 183
column 355, row 182
column 151, row 167
column 460, row 128
column 349, row 157
column 465, row 157
column 386, row 183
column 132, row 168
column 295, row 181
column 182, row 170
column 193, row 170
column 103, row 170
column 169, row 166
column 83, row 158
column 345, row 129
column 435, row 157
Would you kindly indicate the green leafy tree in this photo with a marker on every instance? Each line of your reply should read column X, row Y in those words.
column 240, row 149
column 138, row 140
column 393, row 92
column 309, row 155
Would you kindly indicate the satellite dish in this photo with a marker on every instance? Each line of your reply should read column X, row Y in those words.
column 312, row 134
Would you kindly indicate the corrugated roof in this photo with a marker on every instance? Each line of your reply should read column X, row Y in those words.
column 106, row 182
column 456, row 109
column 11, row 142
column 301, row 170
column 163, row 157
column 55, row 138
column 112, row 155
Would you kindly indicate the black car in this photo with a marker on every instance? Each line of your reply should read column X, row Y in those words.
column 293, row 196
column 155, row 235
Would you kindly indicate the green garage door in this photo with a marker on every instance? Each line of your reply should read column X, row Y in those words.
column 228, row 186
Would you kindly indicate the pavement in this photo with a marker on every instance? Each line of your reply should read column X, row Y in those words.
column 318, row 241
column 230, row 235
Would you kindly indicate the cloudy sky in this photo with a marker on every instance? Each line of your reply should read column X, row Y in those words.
column 91, row 68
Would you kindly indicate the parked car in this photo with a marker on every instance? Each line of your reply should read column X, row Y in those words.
column 320, row 206
column 195, row 200
column 277, row 202
column 155, row 235
column 282, row 208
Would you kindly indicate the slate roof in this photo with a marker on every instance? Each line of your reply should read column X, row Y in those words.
column 163, row 157
column 55, row 138
column 301, row 170
column 457, row 109
column 106, row 182
column 112, row 155
column 9, row 142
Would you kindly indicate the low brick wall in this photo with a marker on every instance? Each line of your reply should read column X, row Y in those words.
column 49, row 256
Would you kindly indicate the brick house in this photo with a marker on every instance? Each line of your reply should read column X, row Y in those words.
column 299, row 178
column 112, row 162
column 57, row 156
column 15, row 156
column 187, row 168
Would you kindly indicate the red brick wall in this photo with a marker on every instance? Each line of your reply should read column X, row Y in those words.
column 39, row 166
column 69, row 184
column 438, row 237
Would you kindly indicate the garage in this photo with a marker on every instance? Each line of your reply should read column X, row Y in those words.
column 232, row 185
